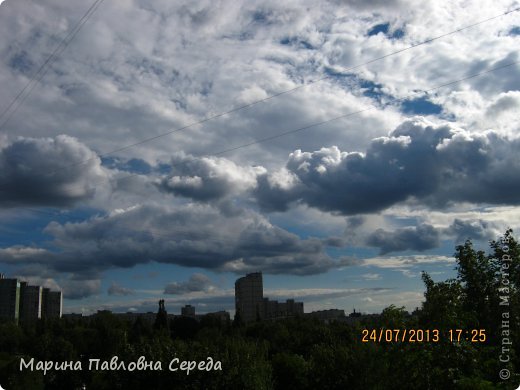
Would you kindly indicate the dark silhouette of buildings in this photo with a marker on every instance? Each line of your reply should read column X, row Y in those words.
column 20, row 301
column 250, row 304
column 188, row 311
column 249, row 297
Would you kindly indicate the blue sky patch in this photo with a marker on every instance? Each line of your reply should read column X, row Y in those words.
column 294, row 41
column 420, row 106
column 385, row 29
column 515, row 31
column 21, row 62
column 133, row 165
column 353, row 83
column 397, row 34
column 379, row 28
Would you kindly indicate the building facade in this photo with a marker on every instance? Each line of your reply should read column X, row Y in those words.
column 249, row 297
column 9, row 299
column 19, row 301
column 328, row 315
column 30, row 302
column 250, row 304
column 52, row 303
column 188, row 311
column 275, row 309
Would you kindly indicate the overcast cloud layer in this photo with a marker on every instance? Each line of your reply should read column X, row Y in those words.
column 408, row 171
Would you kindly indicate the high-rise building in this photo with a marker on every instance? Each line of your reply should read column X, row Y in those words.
column 251, row 305
column 9, row 299
column 30, row 302
column 19, row 301
column 188, row 311
column 249, row 294
column 52, row 303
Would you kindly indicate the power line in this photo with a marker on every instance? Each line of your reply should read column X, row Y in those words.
column 157, row 234
column 316, row 124
column 239, row 108
column 44, row 68
column 299, row 129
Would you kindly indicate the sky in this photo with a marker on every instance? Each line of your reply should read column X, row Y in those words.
column 163, row 149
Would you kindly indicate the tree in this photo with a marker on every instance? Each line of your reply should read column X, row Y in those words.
column 475, row 300
column 238, row 321
column 443, row 305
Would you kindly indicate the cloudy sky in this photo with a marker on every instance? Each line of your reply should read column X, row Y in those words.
column 154, row 149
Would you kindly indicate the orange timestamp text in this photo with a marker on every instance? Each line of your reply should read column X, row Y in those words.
column 422, row 335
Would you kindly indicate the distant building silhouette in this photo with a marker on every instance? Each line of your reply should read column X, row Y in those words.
column 222, row 316
column 9, row 299
column 328, row 315
column 275, row 309
column 52, row 303
column 249, row 297
column 188, row 311
column 250, row 304
column 20, row 301
column 30, row 302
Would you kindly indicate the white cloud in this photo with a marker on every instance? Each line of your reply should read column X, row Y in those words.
column 397, row 262
column 116, row 85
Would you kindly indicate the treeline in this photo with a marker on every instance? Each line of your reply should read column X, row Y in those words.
column 298, row 353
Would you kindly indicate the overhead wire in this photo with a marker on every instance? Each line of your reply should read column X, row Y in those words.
column 279, row 135
column 348, row 69
column 24, row 93
column 316, row 124
column 288, row 91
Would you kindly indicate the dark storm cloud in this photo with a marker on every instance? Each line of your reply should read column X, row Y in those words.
column 194, row 236
column 472, row 230
column 434, row 165
column 56, row 171
column 197, row 282
column 336, row 242
column 419, row 238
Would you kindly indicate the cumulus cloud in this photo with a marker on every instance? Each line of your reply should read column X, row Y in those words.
column 116, row 85
column 419, row 238
column 433, row 165
column 505, row 102
column 58, row 171
column 196, row 283
column 192, row 236
column 479, row 229
column 208, row 178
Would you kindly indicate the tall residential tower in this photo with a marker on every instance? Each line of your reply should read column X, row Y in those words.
column 9, row 299
column 249, row 297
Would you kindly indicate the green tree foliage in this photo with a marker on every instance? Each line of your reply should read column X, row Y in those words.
column 473, row 301
column 299, row 353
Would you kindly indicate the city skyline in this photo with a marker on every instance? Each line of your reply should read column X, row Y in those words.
column 338, row 147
